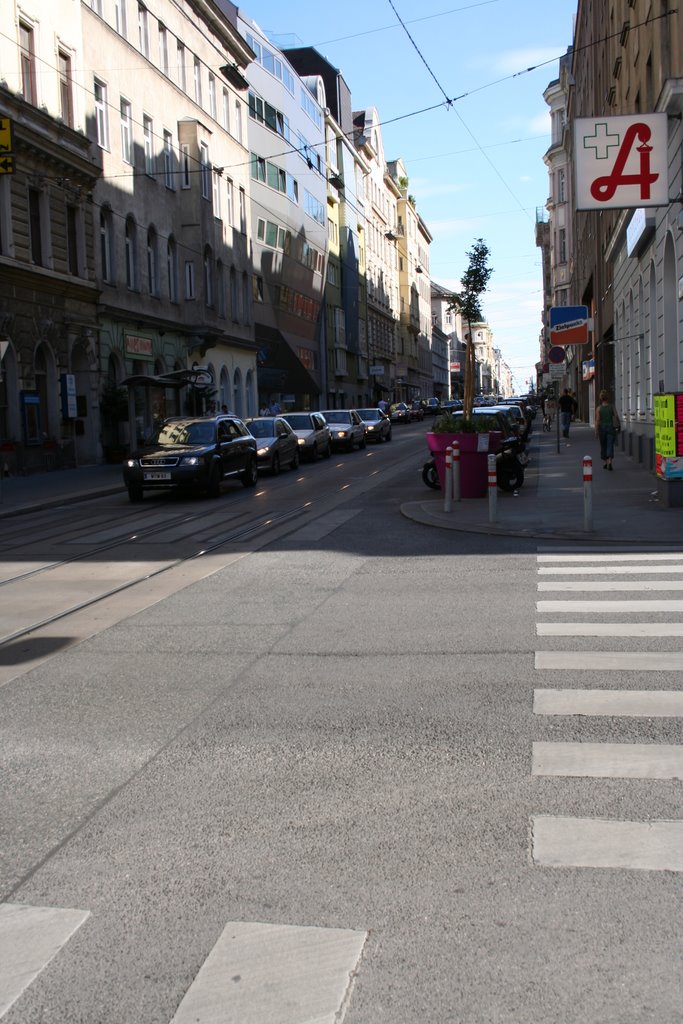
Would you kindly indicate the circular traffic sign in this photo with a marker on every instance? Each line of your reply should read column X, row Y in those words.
column 557, row 354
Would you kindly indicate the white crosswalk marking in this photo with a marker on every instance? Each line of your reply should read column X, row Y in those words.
column 558, row 841
column 625, row 703
column 274, row 974
column 29, row 938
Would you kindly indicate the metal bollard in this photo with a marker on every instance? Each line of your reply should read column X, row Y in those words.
column 493, row 488
column 448, row 480
column 587, row 493
column 456, row 470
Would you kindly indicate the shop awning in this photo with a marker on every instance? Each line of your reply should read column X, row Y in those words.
column 199, row 378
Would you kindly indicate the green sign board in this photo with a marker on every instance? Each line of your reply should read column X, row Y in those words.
column 665, row 425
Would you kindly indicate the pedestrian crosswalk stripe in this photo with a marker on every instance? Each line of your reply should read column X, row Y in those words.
column 266, row 972
column 595, row 843
column 29, row 938
column 639, row 556
column 608, row 570
column 625, row 703
column 610, row 606
column 610, row 629
column 608, row 760
column 610, row 661
column 589, row 586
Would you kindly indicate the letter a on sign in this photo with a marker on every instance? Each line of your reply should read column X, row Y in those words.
column 621, row 162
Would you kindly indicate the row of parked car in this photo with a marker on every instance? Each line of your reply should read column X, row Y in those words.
column 199, row 453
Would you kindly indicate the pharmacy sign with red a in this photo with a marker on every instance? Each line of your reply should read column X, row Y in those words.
column 621, row 162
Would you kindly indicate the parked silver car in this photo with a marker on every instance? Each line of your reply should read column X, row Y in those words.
column 377, row 425
column 276, row 443
column 312, row 432
column 346, row 428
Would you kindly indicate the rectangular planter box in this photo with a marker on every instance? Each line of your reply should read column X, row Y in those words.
column 473, row 461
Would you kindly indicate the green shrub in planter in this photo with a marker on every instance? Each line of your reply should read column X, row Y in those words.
column 457, row 424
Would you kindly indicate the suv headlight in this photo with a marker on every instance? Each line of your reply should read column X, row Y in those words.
column 191, row 460
column 132, row 463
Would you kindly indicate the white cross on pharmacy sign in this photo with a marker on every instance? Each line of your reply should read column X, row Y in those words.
column 621, row 162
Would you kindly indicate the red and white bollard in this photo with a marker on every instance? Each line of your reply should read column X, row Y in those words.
column 448, row 480
column 493, row 488
column 456, row 470
column 587, row 493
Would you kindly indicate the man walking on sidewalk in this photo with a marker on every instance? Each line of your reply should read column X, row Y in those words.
column 568, row 406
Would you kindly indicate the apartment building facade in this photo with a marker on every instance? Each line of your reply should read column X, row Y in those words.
column 628, row 264
column 49, row 299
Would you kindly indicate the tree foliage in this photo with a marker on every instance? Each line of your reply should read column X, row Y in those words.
column 467, row 302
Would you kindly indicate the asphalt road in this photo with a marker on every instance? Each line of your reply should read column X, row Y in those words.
column 308, row 781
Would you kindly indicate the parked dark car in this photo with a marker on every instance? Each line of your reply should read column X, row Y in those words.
column 377, row 425
column 346, row 428
column 431, row 406
column 312, row 432
column 276, row 443
column 193, row 454
column 416, row 411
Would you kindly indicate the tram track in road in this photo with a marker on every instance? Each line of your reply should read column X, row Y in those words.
column 83, row 592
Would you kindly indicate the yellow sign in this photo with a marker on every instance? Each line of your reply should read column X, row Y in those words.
column 6, row 156
column 665, row 425
column 5, row 135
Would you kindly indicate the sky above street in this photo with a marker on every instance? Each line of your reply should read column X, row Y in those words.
column 475, row 164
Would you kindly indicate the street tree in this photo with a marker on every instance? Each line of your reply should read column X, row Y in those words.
column 468, row 303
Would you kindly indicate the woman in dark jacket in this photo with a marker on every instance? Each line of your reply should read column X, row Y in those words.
column 607, row 423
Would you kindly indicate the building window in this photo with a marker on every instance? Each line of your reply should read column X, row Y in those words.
column 562, row 245
column 208, row 276
column 168, row 160
column 226, row 110
column 28, row 63
column 106, row 242
column 101, row 118
column 220, row 289
column 238, row 121
column 561, row 186
column 245, row 297
column 131, row 254
column 143, row 30
column 204, row 170
column 126, row 131
column 243, row 212
column 148, row 136
column 229, row 209
column 152, row 261
column 35, row 222
column 185, row 180
column 190, row 292
column 233, row 295
column 180, row 64
column 197, row 79
column 172, row 269
column 163, row 48
column 216, row 195
column 66, row 105
column 121, row 17
column 73, row 239
column 212, row 96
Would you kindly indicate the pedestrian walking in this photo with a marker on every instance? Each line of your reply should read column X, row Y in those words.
column 607, row 425
column 568, row 406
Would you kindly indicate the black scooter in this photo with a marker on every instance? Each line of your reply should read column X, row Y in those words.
column 510, row 463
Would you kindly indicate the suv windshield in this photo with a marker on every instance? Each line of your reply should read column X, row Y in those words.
column 369, row 414
column 185, row 432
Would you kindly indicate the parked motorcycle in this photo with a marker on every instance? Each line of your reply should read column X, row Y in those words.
column 510, row 463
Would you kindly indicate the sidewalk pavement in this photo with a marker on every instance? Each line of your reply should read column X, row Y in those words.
column 550, row 505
